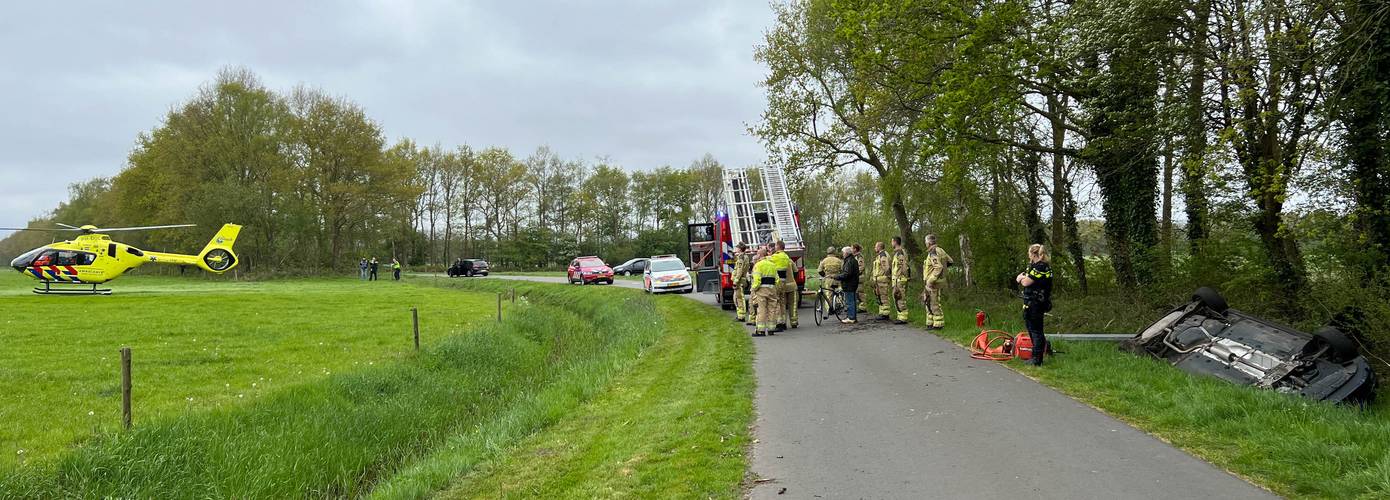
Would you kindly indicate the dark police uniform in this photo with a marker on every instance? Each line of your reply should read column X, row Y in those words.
column 1037, row 299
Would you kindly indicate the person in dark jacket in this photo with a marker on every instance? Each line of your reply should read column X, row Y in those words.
column 849, row 283
column 1037, row 298
column 374, row 265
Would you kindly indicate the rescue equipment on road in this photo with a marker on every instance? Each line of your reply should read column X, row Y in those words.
column 993, row 345
column 999, row 345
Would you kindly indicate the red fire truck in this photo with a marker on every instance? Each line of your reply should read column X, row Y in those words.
column 743, row 217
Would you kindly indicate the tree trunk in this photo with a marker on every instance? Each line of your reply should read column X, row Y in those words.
column 905, row 227
column 966, row 259
column 1056, row 108
column 1195, row 141
column 1078, row 255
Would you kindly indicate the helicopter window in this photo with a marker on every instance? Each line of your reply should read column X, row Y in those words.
column 73, row 258
column 27, row 259
column 134, row 251
column 46, row 258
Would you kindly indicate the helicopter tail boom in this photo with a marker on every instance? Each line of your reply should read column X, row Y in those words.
column 216, row 257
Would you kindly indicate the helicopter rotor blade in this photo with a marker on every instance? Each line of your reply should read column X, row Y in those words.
column 141, row 228
column 54, row 229
column 69, row 226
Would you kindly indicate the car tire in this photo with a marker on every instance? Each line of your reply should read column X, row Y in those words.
column 1211, row 299
column 1340, row 347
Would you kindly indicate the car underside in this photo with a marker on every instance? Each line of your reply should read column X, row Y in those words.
column 1206, row 337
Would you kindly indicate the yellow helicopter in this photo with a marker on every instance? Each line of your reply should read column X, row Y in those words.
column 76, row 267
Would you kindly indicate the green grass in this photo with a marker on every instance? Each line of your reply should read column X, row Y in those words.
column 676, row 426
column 1290, row 445
column 198, row 346
column 346, row 432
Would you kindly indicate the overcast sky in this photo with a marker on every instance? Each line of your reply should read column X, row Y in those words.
column 643, row 83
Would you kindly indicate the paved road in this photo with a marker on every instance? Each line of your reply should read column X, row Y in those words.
column 883, row 411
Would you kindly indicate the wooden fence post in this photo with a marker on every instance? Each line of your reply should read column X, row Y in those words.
column 125, row 387
column 415, row 322
column 499, row 307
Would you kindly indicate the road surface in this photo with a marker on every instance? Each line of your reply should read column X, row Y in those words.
column 877, row 410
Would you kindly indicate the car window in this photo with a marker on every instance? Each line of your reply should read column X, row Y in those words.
column 590, row 263
column 668, row 265
column 641, row 264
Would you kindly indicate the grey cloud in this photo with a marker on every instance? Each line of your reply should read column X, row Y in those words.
column 644, row 84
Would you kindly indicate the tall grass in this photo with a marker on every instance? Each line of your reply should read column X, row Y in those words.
column 343, row 434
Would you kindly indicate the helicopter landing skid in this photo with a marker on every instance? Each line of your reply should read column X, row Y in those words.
column 65, row 288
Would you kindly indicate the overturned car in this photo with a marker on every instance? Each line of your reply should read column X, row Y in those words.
column 1207, row 337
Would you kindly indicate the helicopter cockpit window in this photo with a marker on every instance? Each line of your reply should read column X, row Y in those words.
column 27, row 259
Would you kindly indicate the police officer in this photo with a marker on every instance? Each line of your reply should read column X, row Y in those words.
column 933, row 277
column 883, row 289
column 788, row 299
column 863, row 276
column 742, row 268
column 765, row 291
column 901, row 273
column 1037, row 297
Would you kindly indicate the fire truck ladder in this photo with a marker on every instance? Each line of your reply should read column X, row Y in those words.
column 780, row 205
column 739, row 200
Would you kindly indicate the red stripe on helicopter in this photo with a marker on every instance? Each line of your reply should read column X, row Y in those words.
column 68, row 270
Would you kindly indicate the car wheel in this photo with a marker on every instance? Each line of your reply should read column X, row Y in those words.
column 1211, row 299
column 1340, row 347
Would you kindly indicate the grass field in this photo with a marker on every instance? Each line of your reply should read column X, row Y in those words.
column 198, row 345
column 376, row 418
column 1290, row 445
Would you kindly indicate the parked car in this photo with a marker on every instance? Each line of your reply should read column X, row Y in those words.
column 468, row 267
column 632, row 267
column 1207, row 337
column 667, row 273
column 590, row 269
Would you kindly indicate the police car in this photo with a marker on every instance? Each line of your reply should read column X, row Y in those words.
column 667, row 273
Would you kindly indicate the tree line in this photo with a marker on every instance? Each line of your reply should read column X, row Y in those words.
column 1236, row 141
column 316, row 185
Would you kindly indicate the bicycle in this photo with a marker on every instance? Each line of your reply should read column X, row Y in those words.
column 828, row 302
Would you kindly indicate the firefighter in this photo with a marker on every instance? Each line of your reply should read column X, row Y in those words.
column 766, row 286
column 742, row 267
column 901, row 272
column 829, row 269
column 1037, row 298
column 883, row 289
column 933, row 277
column 788, row 299
column 863, row 276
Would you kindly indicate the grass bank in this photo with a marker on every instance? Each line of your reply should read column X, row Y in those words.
column 674, row 426
column 343, row 434
column 199, row 345
column 1290, row 445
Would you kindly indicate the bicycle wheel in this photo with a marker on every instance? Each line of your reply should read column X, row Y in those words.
column 838, row 306
column 820, row 307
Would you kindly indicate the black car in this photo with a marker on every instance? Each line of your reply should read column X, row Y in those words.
column 1207, row 337
column 632, row 267
column 468, row 267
